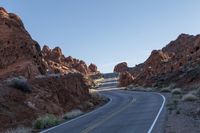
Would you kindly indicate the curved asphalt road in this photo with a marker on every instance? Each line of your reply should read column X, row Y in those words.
column 127, row 112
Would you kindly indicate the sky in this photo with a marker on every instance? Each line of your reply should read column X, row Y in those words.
column 107, row 32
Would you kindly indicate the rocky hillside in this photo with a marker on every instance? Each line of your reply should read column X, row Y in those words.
column 19, row 53
column 54, row 94
column 178, row 63
column 36, row 82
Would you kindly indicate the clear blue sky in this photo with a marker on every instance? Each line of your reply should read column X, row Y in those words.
column 107, row 32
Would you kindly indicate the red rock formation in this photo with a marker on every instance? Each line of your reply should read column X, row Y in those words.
column 19, row 53
column 54, row 94
column 170, row 64
column 51, row 93
column 93, row 68
column 125, row 79
column 121, row 67
column 56, row 62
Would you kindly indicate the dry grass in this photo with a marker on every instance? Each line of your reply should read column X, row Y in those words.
column 95, row 94
column 189, row 97
column 176, row 91
column 72, row 114
column 46, row 122
column 19, row 130
column 19, row 83
column 166, row 89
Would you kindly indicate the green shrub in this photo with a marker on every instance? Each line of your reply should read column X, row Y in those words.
column 72, row 114
column 176, row 91
column 189, row 97
column 45, row 122
column 19, row 83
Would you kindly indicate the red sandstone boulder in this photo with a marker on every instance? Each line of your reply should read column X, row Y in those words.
column 121, row 67
column 125, row 79
column 93, row 68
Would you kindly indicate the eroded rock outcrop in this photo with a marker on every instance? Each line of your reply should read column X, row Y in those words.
column 19, row 53
column 125, row 79
column 170, row 64
column 56, row 62
column 121, row 67
column 57, row 83
column 93, row 68
column 55, row 94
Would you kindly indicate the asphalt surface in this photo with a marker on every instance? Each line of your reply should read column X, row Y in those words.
column 126, row 112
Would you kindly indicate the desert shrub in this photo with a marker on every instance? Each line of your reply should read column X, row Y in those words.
column 172, row 86
column 87, row 105
column 167, row 89
column 172, row 105
column 176, row 91
column 94, row 94
column 45, row 122
column 19, row 83
column 73, row 114
column 18, row 130
column 189, row 97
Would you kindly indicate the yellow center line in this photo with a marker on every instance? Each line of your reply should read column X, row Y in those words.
column 87, row 130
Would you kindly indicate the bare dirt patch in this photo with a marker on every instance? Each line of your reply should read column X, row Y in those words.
column 182, row 116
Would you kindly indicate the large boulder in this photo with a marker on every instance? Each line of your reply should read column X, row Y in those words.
column 121, row 67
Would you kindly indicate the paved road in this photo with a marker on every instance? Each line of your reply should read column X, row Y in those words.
column 127, row 112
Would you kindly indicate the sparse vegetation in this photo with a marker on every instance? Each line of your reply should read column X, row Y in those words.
column 72, row 114
column 46, row 122
column 19, row 130
column 173, row 105
column 95, row 94
column 87, row 105
column 19, row 83
column 176, row 91
column 166, row 89
column 189, row 97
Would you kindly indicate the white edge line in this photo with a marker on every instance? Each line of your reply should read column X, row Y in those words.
column 110, row 100
column 161, row 108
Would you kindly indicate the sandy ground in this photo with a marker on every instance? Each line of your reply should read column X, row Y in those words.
column 182, row 117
